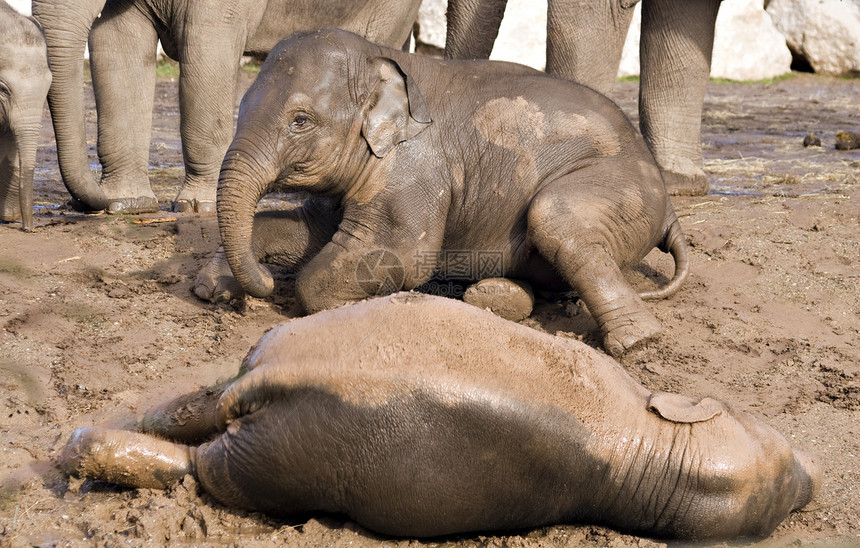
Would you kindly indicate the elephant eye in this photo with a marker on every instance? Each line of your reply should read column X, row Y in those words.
column 300, row 122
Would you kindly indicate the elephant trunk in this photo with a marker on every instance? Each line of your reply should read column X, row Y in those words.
column 241, row 184
column 66, row 28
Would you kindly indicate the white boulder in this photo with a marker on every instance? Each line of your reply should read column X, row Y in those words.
column 21, row 6
column 747, row 45
column 431, row 23
column 824, row 32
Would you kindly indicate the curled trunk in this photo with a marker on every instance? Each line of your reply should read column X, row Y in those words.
column 243, row 181
column 67, row 27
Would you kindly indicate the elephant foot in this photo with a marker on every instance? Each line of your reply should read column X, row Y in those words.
column 193, row 206
column 190, row 418
column 625, row 330
column 510, row 299
column 686, row 184
column 10, row 215
column 215, row 281
column 190, row 200
column 132, row 206
column 81, row 207
column 124, row 458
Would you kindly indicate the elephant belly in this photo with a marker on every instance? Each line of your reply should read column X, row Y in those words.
column 421, row 463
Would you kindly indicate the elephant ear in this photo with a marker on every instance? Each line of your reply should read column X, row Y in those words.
column 677, row 408
column 395, row 111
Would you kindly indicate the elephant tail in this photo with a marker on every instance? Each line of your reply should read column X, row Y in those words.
column 673, row 242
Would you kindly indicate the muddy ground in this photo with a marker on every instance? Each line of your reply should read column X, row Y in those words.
column 97, row 322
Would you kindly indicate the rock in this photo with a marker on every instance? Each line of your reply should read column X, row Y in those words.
column 431, row 24
column 21, row 6
column 629, row 65
column 522, row 36
column 847, row 140
column 823, row 33
column 747, row 45
column 811, row 140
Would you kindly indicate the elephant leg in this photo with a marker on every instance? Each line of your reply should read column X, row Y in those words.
column 675, row 56
column 125, row 458
column 190, row 418
column 122, row 56
column 210, row 48
column 511, row 299
column 472, row 28
column 585, row 40
column 285, row 238
column 568, row 225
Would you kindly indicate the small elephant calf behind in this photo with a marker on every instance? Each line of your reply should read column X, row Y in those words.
column 24, row 82
column 415, row 165
column 419, row 416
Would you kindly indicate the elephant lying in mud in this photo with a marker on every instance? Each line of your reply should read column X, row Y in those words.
column 24, row 81
column 418, row 415
column 412, row 161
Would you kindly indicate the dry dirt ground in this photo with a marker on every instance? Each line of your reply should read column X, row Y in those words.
column 97, row 322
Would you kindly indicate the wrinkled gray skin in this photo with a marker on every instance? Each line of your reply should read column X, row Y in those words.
column 207, row 39
column 409, row 158
column 24, row 81
column 584, row 43
column 419, row 416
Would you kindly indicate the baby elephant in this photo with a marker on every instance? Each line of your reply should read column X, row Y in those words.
column 418, row 167
column 24, row 82
column 418, row 415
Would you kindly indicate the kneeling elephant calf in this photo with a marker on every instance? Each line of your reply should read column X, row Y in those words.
column 419, row 167
column 418, row 415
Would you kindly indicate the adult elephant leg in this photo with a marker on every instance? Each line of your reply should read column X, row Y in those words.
column 582, row 234
column 67, row 26
column 285, row 238
column 210, row 48
column 675, row 56
column 122, row 57
column 585, row 40
column 472, row 28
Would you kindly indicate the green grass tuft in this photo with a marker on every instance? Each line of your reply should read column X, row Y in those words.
column 167, row 68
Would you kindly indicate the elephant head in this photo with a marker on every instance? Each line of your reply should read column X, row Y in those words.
column 24, row 82
column 316, row 120
column 67, row 27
